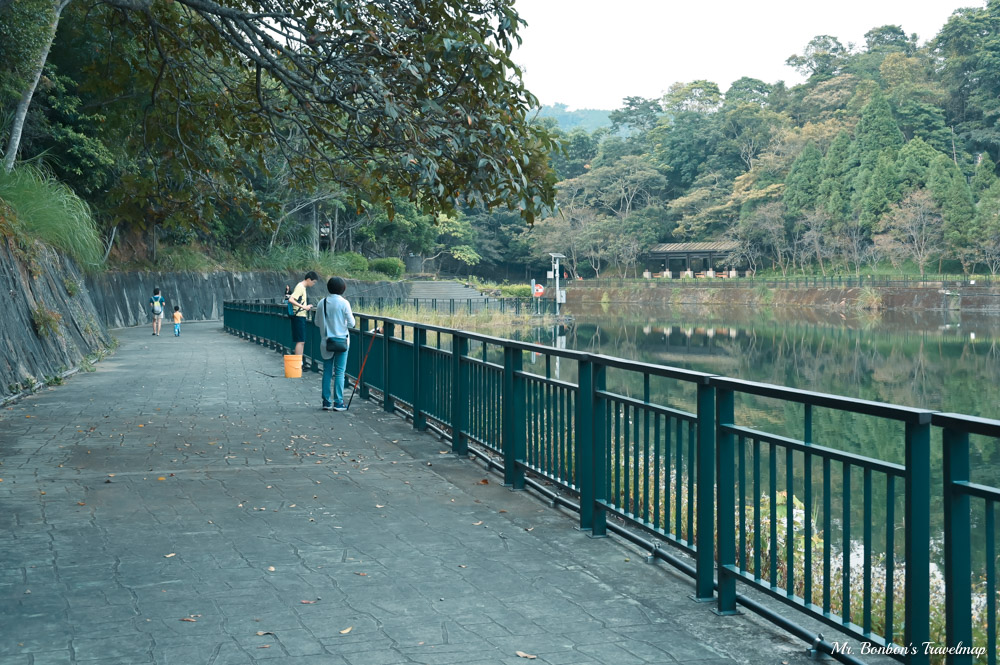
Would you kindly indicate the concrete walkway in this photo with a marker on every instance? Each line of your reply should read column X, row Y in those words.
column 186, row 504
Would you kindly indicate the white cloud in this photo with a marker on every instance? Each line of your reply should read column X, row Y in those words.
column 594, row 53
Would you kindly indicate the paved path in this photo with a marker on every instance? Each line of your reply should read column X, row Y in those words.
column 185, row 504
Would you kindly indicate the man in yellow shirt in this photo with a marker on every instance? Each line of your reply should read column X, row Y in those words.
column 300, row 309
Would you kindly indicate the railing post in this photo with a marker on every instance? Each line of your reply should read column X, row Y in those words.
column 459, row 394
column 583, row 440
column 726, row 510
column 599, row 454
column 365, row 326
column 513, row 435
column 419, row 378
column 957, row 545
column 705, row 537
column 387, row 403
column 917, row 544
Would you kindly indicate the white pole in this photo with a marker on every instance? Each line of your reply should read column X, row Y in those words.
column 556, row 259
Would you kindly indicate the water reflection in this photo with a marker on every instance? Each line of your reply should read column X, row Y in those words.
column 935, row 360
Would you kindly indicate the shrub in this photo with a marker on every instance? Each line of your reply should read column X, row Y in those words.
column 351, row 262
column 869, row 299
column 46, row 321
column 391, row 267
column 515, row 290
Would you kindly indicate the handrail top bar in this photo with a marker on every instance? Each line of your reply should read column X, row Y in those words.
column 649, row 368
column 977, row 490
column 970, row 424
column 582, row 356
column 907, row 414
column 816, row 449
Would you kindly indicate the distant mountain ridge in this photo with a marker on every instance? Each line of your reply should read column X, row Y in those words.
column 586, row 119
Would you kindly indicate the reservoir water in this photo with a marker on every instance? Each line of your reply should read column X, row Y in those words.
column 938, row 360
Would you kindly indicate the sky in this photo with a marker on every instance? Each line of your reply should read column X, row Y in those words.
column 594, row 53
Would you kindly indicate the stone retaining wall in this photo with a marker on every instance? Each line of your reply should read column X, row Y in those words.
column 48, row 323
column 122, row 299
column 76, row 311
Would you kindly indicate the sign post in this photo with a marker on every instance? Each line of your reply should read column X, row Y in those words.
column 555, row 271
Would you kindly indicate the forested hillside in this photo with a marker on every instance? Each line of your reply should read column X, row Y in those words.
column 885, row 157
column 409, row 134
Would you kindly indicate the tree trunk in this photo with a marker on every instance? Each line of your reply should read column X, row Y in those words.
column 21, row 113
column 335, row 231
column 315, row 229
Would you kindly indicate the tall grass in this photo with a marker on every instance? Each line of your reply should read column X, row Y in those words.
column 47, row 210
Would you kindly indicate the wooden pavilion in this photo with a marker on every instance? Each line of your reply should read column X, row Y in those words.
column 690, row 258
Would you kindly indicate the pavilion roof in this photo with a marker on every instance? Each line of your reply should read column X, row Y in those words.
column 680, row 247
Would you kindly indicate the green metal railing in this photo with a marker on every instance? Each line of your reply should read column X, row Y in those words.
column 842, row 538
column 516, row 306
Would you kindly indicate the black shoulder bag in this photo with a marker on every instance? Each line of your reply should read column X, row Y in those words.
column 333, row 344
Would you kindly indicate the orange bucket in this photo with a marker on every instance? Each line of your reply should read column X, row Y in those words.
column 293, row 367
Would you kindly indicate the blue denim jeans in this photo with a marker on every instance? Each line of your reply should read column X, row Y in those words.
column 339, row 363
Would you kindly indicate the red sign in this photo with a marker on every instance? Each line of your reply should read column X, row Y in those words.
column 539, row 290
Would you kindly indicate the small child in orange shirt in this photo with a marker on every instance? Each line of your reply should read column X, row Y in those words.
column 178, row 317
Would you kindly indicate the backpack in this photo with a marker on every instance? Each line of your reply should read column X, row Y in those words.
column 158, row 305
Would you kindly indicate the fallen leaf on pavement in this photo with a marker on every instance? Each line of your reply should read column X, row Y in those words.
column 525, row 655
column 484, row 481
column 189, row 619
column 477, row 523
column 167, row 556
column 378, row 505
column 308, row 602
column 347, row 630
column 264, row 632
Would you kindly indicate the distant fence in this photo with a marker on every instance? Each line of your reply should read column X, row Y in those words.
column 843, row 538
column 829, row 282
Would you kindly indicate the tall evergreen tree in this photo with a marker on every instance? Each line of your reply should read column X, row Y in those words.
column 881, row 192
column 914, row 162
column 984, row 177
column 803, row 181
column 877, row 132
column 988, row 224
column 837, row 170
column 952, row 193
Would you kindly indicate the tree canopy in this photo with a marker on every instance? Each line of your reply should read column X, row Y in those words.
column 418, row 99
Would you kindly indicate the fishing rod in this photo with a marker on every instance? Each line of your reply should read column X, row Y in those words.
column 357, row 382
